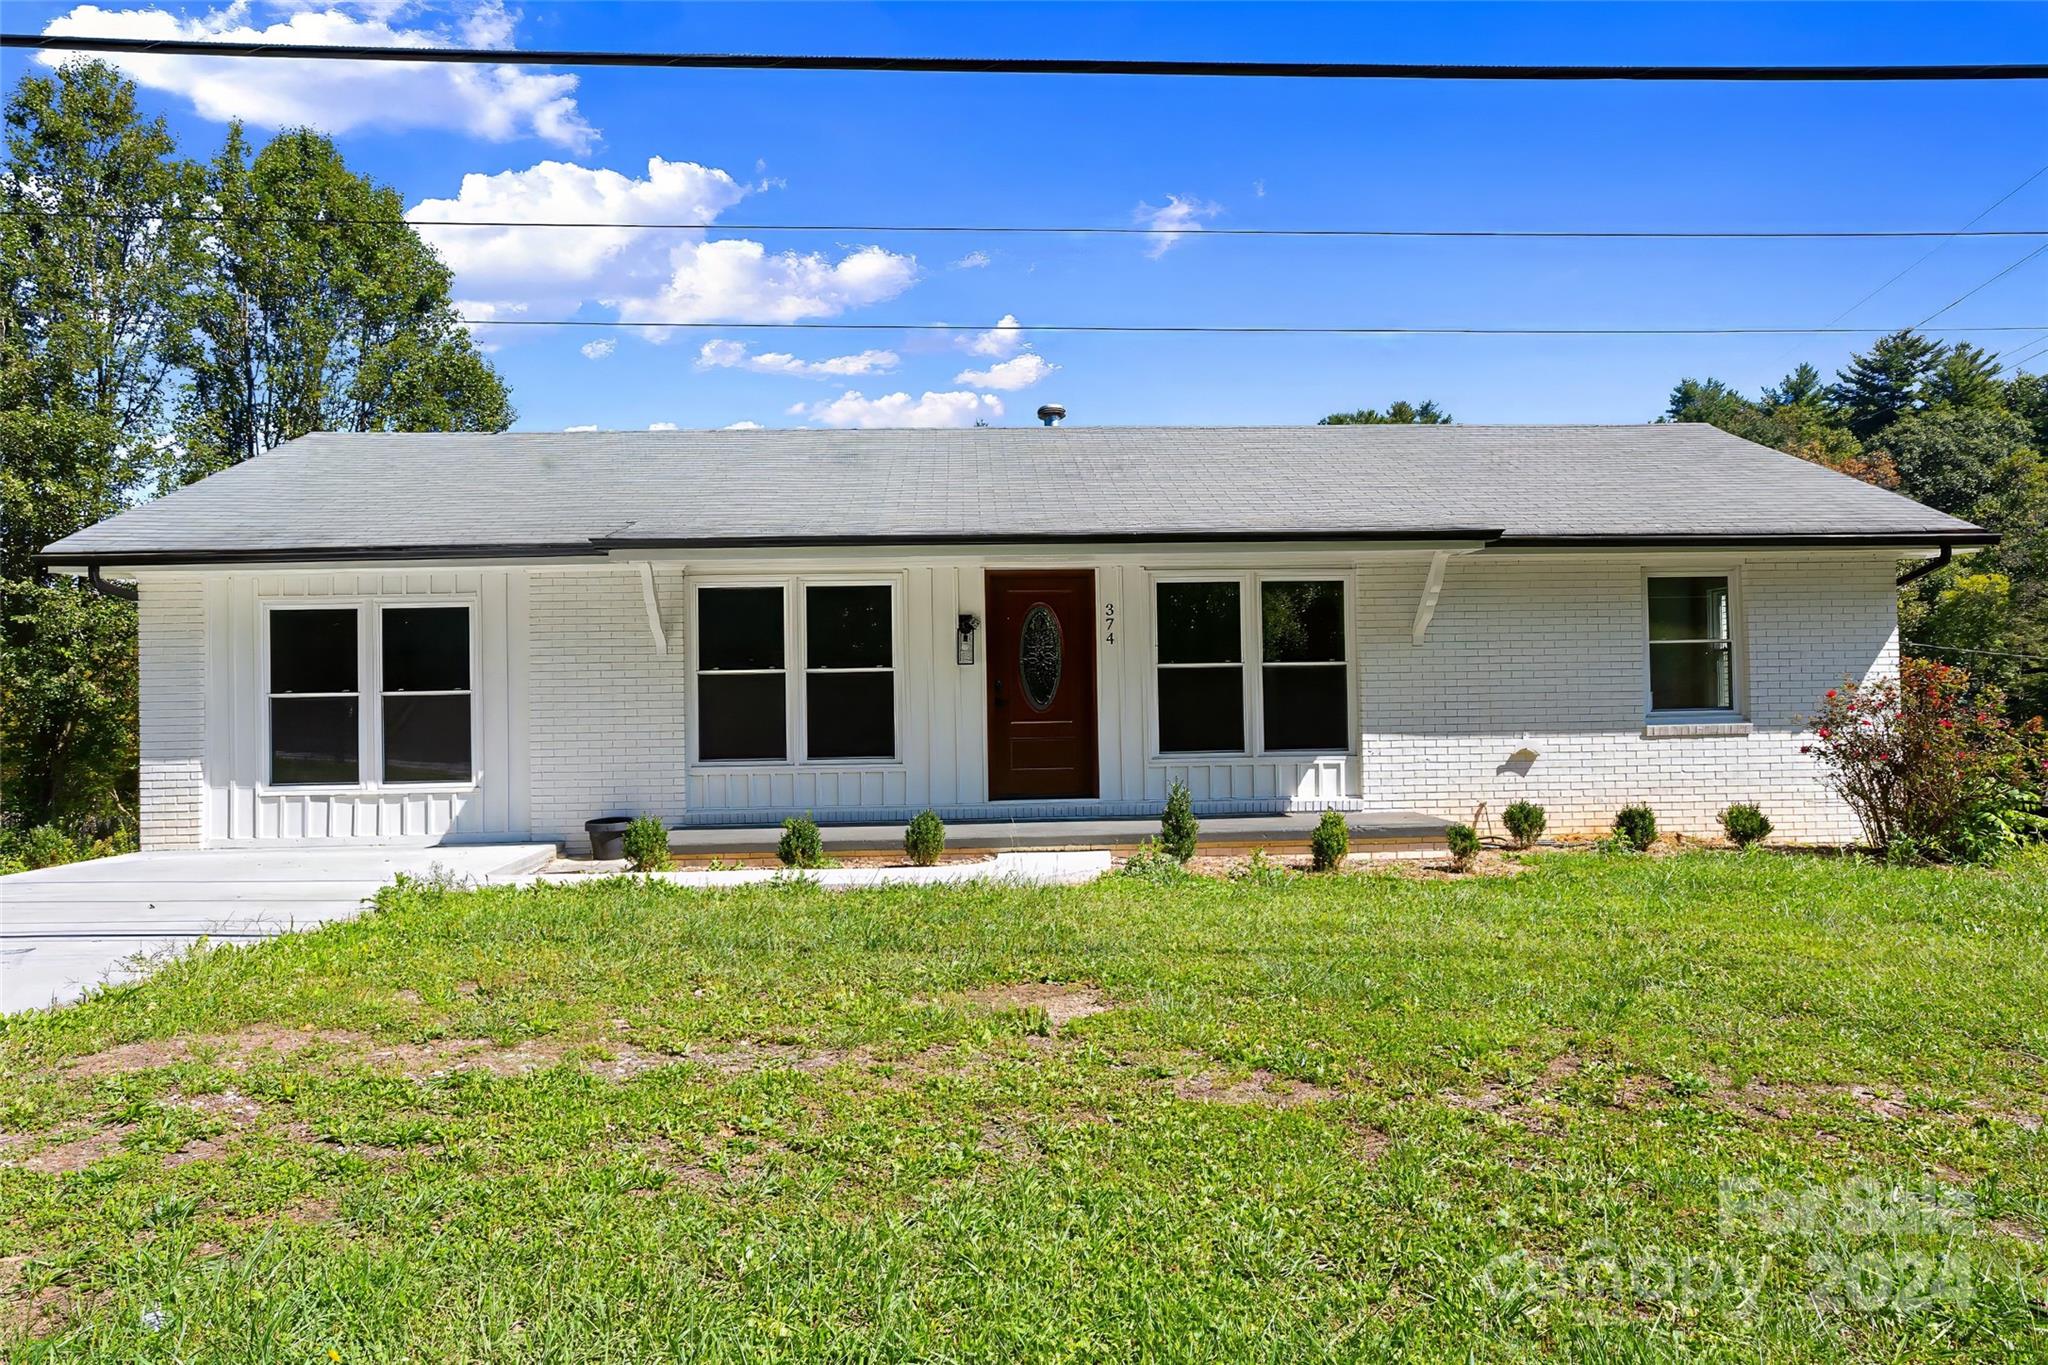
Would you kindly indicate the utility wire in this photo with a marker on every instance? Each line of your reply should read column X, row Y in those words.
column 1247, row 330
column 1992, row 653
column 1024, row 66
column 2012, row 367
column 1985, row 285
column 1543, row 234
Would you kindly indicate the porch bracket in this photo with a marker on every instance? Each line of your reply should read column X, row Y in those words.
column 1432, row 588
column 653, row 608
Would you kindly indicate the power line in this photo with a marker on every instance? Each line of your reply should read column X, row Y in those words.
column 1982, row 214
column 1025, row 66
column 1219, row 330
column 1991, row 653
column 1985, row 285
column 1048, row 229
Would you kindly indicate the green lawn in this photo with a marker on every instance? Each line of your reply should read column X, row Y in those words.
column 1714, row 1104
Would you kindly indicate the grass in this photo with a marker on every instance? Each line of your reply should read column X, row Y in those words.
column 1361, row 1117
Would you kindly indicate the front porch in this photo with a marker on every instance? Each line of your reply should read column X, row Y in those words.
column 1380, row 831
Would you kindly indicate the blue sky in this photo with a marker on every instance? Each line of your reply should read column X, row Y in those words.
column 767, row 147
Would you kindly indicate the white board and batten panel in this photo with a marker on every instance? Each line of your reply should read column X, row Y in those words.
column 242, row 805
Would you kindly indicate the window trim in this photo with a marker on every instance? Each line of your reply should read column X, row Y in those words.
column 1738, row 656
column 796, row 671
column 1252, row 661
column 369, row 717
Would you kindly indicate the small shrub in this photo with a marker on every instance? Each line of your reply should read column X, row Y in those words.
column 1636, row 827
column 1330, row 844
column 646, row 844
column 1178, row 826
column 1745, row 824
column 801, row 845
column 1525, row 822
column 925, row 839
column 1463, row 842
column 47, row 846
column 1259, row 870
column 1154, row 864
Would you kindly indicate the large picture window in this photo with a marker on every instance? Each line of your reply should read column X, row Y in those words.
column 1201, row 668
column 1304, row 696
column 742, row 684
column 425, row 694
column 849, row 672
column 315, row 702
column 1692, row 664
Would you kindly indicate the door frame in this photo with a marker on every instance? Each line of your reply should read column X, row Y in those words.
column 1093, row 748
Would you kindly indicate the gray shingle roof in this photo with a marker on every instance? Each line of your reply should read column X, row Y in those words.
column 332, row 495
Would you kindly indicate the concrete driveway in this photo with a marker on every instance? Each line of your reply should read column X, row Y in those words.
column 66, row 929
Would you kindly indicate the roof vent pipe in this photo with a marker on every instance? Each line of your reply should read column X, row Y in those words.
column 1052, row 414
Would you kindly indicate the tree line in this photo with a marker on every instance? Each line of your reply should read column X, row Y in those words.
column 162, row 318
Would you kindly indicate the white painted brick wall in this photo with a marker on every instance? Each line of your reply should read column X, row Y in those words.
column 1548, row 655
column 605, row 712
column 171, row 649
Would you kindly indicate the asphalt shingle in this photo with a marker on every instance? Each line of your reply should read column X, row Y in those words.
column 397, row 494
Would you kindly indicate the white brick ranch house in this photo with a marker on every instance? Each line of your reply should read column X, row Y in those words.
column 424, row 637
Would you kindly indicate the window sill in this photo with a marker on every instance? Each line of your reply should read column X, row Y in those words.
column 783, row 765
column 386, row 789
column 1712, row 725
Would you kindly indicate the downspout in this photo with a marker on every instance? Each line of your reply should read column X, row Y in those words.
column 1940, row 561
column 120, row 592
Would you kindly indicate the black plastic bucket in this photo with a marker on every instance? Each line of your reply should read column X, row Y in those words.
column 607, row 836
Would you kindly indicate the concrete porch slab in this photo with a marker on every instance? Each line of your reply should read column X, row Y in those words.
column 1023, row 869
column 1384, row 829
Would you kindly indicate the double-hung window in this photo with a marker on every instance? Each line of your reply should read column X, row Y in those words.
column 1304, row 695
column 1692, row 649
column 417, row 662
column 750, row 651
column 1299, row 693
column 425, row 694
column 315, row 704
column 1201, row 667
column 742, row 685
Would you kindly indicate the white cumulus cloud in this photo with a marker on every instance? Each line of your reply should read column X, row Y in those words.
column 598, row 350
column 1000, row 340
column 662, row 426
column 644, row 274
column 1178, row 216
column 854, row 409
column 1020, row 372
column 743, row 426
column 734, row 355
column 498, row 103
column 591, row 427
column 973, row 260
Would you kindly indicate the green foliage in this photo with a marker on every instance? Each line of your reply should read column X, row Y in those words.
column 801, row 845
column 1463, row 842
column 1744, row 823
column 925, row 838
column 1948, row 457
column 1636, row 827
column 1397, row 414
column 1329, row 844
column 53, row 845
column 1156, row 865
column 1178, row 826
column 1930, row 760
column 646, row 844
column 1525, row 822
column 1259, row 870
column 1887, row 382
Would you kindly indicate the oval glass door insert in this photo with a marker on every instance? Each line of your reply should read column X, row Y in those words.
column 1040, row 651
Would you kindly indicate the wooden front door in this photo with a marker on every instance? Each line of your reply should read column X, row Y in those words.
column 1041, row 684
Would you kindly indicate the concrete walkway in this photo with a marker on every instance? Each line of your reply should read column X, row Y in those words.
column 66, row 929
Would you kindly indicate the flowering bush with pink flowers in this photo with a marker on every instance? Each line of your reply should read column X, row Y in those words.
column 1930, row 764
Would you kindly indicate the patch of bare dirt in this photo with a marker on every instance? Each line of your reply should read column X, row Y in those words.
column 73, row 1154
column 1262, row 1087
column 1517, row 1104
column 1063, row 1002
column 1489, row 863
column 226, row 1049
column 738, row 1059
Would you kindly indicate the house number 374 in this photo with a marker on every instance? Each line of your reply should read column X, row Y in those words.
column 1109, row 623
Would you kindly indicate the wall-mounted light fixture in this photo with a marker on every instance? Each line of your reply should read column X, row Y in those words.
column 963, row 643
